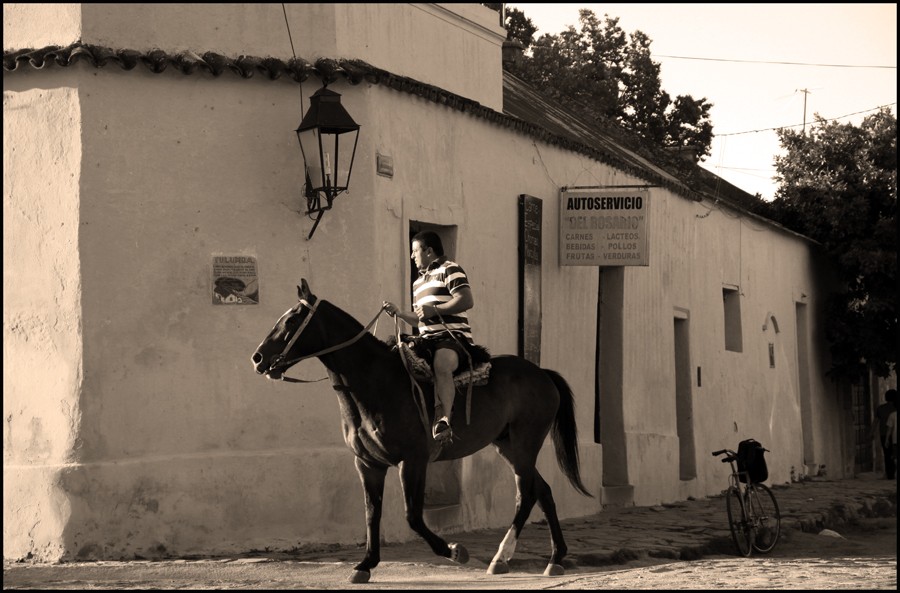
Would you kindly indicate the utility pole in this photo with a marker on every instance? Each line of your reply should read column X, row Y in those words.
column 805, row 93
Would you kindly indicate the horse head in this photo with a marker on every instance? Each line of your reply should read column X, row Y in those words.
column 283, row 347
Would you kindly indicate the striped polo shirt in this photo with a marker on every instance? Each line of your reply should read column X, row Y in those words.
column 436, row 285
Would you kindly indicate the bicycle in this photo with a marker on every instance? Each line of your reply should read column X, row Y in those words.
column 753, row 515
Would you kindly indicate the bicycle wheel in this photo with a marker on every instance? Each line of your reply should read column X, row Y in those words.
column 766, row 518
column 741, row 531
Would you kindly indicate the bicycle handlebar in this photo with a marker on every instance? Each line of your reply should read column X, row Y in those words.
column 731, row 455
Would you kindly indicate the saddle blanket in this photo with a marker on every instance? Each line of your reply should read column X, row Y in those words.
column 421, row 370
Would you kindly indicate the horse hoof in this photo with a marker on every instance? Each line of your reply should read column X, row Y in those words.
column 458, row 554
column 554, row 570
column 498, row 567
column 360, row 576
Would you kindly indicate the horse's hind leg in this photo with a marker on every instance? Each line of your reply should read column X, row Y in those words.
column 558, row 547
column 412, row 480
column 525, row 500
column 530, row 489
column 372, row 477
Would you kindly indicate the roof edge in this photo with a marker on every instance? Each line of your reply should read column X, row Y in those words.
column 328, row 70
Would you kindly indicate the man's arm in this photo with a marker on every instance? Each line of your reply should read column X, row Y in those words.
column 461, row 300
column 409, row 317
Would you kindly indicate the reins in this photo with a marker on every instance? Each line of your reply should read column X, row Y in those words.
column 419, row 396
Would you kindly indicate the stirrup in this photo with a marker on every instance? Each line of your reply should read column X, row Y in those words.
column 441, row 429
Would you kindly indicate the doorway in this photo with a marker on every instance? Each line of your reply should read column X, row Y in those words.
column 684, row 405
column 610, row 409
column 442, row 482
column 448, row 240
column 803, row 383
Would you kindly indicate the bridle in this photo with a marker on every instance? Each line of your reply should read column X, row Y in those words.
column 279, row 360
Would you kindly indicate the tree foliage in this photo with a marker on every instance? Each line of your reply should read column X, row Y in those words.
column 519, row 27
column 838, row 186
column 608, row 76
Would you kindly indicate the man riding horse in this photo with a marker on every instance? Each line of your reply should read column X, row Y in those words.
column 442, row 296
column 382, row 423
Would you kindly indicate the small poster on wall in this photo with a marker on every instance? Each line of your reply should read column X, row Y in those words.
column 234, row 280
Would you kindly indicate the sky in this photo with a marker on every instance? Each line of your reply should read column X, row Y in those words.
column 738, row 54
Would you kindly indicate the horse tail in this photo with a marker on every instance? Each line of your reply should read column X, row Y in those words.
column 565, row 433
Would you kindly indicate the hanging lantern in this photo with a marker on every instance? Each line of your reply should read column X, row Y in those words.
column 328, row 137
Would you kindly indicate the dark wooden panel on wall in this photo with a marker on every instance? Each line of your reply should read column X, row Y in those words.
column 530, row 242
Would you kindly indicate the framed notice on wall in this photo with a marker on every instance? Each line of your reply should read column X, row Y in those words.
column 604, row 227
column 235, row 280
column 530, row 246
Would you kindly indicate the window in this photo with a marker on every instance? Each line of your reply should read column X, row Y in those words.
column 731, row 297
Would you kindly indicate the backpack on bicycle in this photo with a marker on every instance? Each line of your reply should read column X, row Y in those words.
column 750, row 459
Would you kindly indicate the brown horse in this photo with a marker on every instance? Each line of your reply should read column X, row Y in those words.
column 383, row 425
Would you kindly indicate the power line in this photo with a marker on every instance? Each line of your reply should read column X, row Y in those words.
column 803, row 124
column 767, row 62
column 745, row 169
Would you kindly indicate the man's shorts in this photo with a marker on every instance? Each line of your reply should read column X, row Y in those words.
column 425, row 349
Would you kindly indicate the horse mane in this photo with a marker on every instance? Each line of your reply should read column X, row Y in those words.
column 355, row 327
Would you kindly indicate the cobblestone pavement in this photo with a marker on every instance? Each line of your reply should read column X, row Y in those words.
column 601, row 547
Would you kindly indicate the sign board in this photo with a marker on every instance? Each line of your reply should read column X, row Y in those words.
column 235, row 280
column 530, row 246
column 604, row 227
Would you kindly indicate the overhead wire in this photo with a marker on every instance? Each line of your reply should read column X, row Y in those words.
column 776, row 62
column 792, row 64
column 831, row 119
column 745, row 170
column 720, row 166
column 772, row 62
column 798, row 125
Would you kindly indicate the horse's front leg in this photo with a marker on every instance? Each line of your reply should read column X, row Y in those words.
column 372, row 477
column 412, row 480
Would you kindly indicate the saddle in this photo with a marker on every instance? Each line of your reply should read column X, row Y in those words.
column 462, row 378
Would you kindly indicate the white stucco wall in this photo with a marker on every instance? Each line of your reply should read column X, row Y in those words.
column 33, row 26
column 166, row 442
column 173, row 419
column 179, row 423
column 42, row 330
column 697, row 249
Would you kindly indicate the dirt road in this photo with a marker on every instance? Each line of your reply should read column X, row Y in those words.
column 864, row 558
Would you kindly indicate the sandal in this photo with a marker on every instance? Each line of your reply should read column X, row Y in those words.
column 441, row 428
